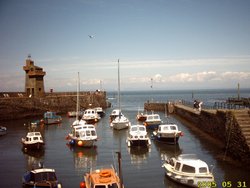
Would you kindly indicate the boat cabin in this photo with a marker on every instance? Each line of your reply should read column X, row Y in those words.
column 168, row 128
column 91, row 116
column 189, row 164
column 115, row 113
column 86, row 130
column 33, row 137
column 153, row 121
column 44, row 177
column 138, row 131
column 153, row 117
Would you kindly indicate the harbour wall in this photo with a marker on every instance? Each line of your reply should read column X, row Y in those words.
column 231, row 128
column 17, row 105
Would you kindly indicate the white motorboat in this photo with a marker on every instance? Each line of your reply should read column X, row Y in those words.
column 168, row 133
column 100, row 111
column 115, row 113
column 120, row 122
column 3, row 130
column 138, row 136
column 82, row 135
column 91, row 116
column 33, row 141
column 153, row 121
column 189, row 170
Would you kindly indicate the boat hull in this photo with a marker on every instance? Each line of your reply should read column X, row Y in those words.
column 81, row 143
column 169, row 140
column 91, row 121
column 40, row 185
column 152, row 125
column 189, row 179
column 138, row 143
column 120, row 125
column 141, row 118
column 33, row 146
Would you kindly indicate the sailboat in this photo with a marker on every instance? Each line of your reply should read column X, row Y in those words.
column 78, row 113
column 82, row 134
column 120, row 122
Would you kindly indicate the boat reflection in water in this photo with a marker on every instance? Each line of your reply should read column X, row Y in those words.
column 33, row 158
column 139, row 155
column 84, row 158
column 166, row 150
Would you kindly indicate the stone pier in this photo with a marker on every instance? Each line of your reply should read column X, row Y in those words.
column 18, row 105
column 231, row 128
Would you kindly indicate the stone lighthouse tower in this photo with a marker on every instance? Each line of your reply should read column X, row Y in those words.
column 34, row 85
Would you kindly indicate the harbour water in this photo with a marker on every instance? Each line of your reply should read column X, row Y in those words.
column 141, row 167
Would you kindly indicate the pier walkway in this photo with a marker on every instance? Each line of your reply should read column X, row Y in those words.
column 231, row 127
column 243, row 119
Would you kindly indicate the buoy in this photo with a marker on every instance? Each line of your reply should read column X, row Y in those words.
column 80, row 143
column 82, row 185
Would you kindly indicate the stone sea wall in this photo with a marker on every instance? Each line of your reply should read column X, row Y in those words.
column 15, row 106
column 223, row 126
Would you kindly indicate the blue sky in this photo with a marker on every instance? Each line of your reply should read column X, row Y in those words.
column 180, row 44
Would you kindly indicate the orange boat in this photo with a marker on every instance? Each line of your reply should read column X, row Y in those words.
column 101, row 178
column 105, row 177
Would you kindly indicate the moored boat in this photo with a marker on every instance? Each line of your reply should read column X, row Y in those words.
column 138, row 136
column 114, row 114
column 104, row 177
column 167, row 133
column 141, row 116
column 82, row 135
column 120, row 122
column 91, row 116
column 33, row 141
column 153, row 121
column 41, row 177
column 100, row 111
column 3, row 130
column 51, row 118
column 75, row 113
column 187, row 169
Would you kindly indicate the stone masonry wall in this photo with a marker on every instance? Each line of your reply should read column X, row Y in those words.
column 21, row 107
column 221, row 125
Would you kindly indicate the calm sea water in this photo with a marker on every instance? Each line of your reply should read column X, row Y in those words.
column 141, row 167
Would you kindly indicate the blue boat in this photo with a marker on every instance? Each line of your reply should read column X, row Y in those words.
column 153, row 121
column 51, row 118
column 42, row 177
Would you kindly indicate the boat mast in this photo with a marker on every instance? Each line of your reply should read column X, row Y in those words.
column 77, row 97
column 119, row 96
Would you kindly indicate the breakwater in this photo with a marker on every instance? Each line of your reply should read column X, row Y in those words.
column 231, row 128
column 17, row 105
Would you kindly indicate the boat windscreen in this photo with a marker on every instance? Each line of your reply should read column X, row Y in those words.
column 113, row 185
column 48, row 176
